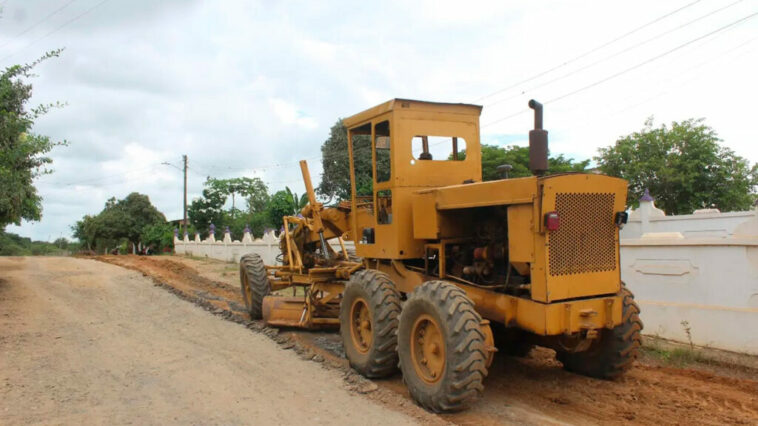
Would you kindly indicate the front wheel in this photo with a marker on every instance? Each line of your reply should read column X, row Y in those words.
column 368, row 323
column 442, row 350
column 254, row 283
column 615, row 350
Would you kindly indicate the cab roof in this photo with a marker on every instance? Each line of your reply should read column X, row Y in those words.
column 411, row 104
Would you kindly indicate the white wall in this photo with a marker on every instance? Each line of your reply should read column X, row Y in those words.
column 703, row 223
column 696, row 271
column 231, row 251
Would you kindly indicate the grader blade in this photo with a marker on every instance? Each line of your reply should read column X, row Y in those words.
column 283, row 311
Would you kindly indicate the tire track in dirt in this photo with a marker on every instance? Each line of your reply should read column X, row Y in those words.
column 517, row 390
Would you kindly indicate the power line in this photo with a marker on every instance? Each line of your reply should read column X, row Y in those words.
column 50, row 15
column 56, row 29
column 587, row 53
column 260, row 168
column 681, row 82
column 100, row 178
column 626, row 70
column 606, row 58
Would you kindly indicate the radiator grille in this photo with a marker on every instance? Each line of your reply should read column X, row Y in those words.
column 585, row 240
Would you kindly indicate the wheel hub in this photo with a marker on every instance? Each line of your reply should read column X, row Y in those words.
column 428, row 349
column 361, row 330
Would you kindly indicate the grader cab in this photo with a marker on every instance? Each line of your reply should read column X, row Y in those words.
column 447, row 268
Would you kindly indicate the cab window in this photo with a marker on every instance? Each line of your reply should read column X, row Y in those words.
column 438, row 148
column 382, row 151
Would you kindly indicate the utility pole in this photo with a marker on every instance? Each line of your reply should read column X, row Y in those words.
column 186, row 229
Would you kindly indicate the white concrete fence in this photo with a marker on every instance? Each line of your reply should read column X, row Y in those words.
column 231, row 251
column 694, row 276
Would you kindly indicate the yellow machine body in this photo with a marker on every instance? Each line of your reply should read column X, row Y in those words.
column 423, row 218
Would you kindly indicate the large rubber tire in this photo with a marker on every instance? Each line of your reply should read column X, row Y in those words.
column 451, row 384
column 368, row 323
column 615, row 351
column 254, row 284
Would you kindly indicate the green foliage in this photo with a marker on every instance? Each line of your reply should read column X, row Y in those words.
column 210, row 207
column 279, row 206
column 518, row 157
column 128, row 217
column 207, row 209
column 22, row 153
column 86, row 231
column 297, row 203
column 684, row 167
column 335, row 179
column 158, row 236
column 14, row 245
column 61, row 243
column 120, row 221
column 257, row 222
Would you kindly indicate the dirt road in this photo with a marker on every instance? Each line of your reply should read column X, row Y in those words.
column 84, row 342
column 532, row 390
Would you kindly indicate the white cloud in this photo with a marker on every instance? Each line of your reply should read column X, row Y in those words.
column 290, row 114
column 241, row 86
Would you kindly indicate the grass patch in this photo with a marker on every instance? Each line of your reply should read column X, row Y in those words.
column 677, row 356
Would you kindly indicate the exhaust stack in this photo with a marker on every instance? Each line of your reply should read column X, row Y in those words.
column 537, row 142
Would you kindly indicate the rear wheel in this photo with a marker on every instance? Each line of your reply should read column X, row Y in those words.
column 441, row 347
column 615, row 350
column 368, row 323
column 254, row 283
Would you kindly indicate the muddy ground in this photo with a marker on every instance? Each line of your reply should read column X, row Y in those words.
column 531, row 390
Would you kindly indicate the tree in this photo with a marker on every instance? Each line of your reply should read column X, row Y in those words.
column 684, row 167
column 61, row 243
column 296, row 203
column 256, row 222
column 518, row 158
column 132, row 214
column 158, row 236
column 210, row 207
column 14, row 245
column 119, row 221
column 22, row 153
column 85, row 230
column 335, row 161
column 279, row 206
column 335, row 178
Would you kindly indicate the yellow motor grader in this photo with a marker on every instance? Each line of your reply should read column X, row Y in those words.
column 447, row 269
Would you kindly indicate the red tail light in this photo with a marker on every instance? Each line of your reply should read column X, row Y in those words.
column 552, row 221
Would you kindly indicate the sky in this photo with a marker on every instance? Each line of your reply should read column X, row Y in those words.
column 249, row 88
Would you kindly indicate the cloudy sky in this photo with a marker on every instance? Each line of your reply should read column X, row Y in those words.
column 248, row 88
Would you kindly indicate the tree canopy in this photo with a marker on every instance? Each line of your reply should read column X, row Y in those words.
column 285, row 203
column 335, row 178
column 119, row 220
column 22, row 152
column 684, row 166
column 209, row 208
column 518, row 158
